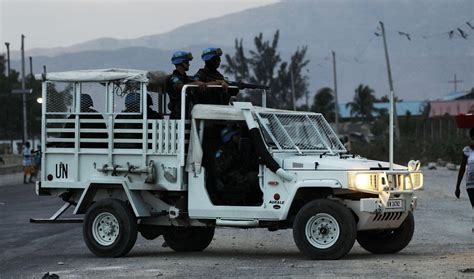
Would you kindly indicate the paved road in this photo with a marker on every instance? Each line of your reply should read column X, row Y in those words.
column 443, row 245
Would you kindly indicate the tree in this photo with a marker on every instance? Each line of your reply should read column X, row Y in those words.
column 2, row 64
column 386, row 99
column 425, row 109
column 324, row 103
column 11, row 105
column 264, row 66
column 362, row 106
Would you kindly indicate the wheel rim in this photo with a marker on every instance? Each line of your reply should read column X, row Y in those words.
column 105, row 228
column 322, row 230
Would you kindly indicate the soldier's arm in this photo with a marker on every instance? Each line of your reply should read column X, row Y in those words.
column 222, row 83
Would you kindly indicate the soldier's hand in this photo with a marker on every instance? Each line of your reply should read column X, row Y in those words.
column 225, row 86
column 457, row 193
column 202, row 86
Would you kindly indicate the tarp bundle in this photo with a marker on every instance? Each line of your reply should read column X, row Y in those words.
column 97, row 75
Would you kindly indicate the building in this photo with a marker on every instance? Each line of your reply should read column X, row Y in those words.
column 453, row 104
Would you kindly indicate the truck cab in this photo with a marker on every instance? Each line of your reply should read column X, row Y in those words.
column 126, row 172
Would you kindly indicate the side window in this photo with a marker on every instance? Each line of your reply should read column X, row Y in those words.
column 93, row 97
column 59, row 97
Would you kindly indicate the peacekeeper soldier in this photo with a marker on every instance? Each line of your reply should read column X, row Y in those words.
column 212, row 59
column 235, row 181
column 178, row 79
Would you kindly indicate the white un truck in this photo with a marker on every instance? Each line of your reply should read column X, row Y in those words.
column 111, row 151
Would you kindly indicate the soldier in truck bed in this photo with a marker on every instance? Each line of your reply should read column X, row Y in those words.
column 212, row 59
column 178, row 79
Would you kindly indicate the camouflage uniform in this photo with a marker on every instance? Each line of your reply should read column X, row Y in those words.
column 174, row 82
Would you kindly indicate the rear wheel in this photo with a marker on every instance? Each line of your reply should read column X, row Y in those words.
column 190, row 239
column 388, row 241
column 324, row 230
column 110, row 228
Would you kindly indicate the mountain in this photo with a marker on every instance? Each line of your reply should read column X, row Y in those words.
column 421, row 67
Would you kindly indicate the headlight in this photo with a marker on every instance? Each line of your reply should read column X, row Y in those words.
column 365, row 182
column 417, row 179
column 413, row 181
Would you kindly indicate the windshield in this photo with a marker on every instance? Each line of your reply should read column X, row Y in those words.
column 299, row 132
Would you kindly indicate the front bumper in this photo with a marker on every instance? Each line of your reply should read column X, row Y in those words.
column 377, row 205
column 380, row 213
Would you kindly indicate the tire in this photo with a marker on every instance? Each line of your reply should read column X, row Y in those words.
column 190, row 239
column 324, row 230
column 388, row 241
column 110, row 228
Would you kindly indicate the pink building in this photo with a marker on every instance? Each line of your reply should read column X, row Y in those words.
column 452, row 104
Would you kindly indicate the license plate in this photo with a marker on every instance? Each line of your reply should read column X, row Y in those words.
column 395, row 204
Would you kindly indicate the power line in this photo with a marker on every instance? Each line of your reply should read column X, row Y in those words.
column 451, row 33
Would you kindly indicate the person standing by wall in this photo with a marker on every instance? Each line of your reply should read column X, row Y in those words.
column 27, row 163
column 467, row 163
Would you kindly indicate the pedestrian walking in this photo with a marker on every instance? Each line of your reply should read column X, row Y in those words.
column 467, row 163
column 36, row 161
column 27, row 163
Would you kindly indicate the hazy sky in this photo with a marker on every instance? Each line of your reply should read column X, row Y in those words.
column 52, row 23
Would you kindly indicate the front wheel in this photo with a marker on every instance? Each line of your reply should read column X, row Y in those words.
column 190, row 239
column 324, row 230
column 110, row 228
column 388, row 241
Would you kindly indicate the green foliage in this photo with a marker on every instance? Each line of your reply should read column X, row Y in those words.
column 11, row 122
column 362, row 106
column 2, row 64
column 324, row 103
column 264, row 66
column 386, row 99
column 379, row 126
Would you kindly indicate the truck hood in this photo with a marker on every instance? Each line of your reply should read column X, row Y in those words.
column 327, row 162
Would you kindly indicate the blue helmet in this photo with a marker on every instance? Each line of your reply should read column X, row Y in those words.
column 181, row 56
column 211, row 52
column 227, row 133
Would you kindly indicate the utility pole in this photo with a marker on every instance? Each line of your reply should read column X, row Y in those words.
column 393, row 109
column 336, row 104
column 8, row 59
column 7, row 116
column 293, row 89
column 23, row 87
column 31, row 66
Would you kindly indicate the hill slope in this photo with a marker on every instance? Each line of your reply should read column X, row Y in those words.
column 421, row 67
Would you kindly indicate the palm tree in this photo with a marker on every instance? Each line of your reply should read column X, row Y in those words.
column 324, row 103
column 362, row 105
